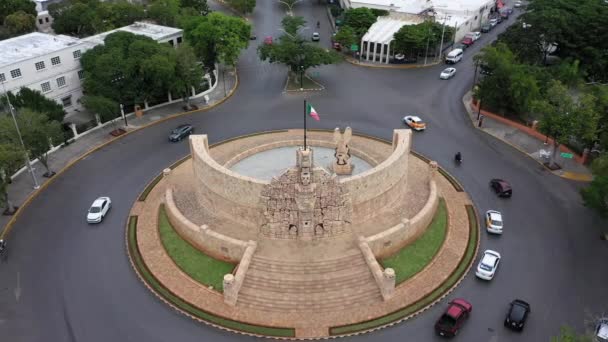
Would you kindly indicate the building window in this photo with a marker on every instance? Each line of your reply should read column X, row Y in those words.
column 66, row 101
column 46, row 19
column 170, row 42
column 77, row 54
column 61, row 82
column 80, row 74
column 46, row 87
column 40, row 65
column 16, row 73
column 179, row 40
column 2, row 78
column 55, row 60
column 40, row 21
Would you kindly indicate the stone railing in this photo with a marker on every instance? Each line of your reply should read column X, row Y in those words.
column 232, row 283
column 391, row 240
column 384, row 278
column 202, row 237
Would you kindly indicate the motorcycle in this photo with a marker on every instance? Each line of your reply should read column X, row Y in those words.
column 458, row 158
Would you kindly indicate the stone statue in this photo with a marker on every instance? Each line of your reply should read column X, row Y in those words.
column 342, row 165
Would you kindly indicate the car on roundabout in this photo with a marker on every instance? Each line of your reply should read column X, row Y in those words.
column 494, row 222
column 517, row 315
column 99, row 209
column 501, row 187
column 454, row 317
column 414, row 122
column 316, row 37
column 447, row 73
column 181, row 132
column 601, row 330
column 488, row 264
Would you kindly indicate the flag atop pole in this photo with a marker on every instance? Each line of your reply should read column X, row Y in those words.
column 312, row 112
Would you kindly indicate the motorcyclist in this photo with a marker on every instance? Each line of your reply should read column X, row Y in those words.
column 2, row 246
column 318, row 24
column 458, row 157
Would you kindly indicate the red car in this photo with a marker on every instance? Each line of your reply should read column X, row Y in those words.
column 268, row 40
column 453, row 318
column 468, row 41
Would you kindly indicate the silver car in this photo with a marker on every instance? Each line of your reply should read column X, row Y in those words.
column 488, row 265
column 601, row 330
column 494, row 222
column 99, row 209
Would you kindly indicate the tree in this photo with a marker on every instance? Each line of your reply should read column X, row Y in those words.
column 200, row 6
column 106, row 108
column 11, row 160
column 20, row 23
column 75, row 18
column 243, row 6
column 37, row 131
column 410, row 39
column 121, row 13
column 164, row 12
column 568, row 335
column 289, row 4
column 34, row 100
column 346, row 36
column 217, row 36
column 595, row 196
column 295, row 51
column 8, row 7
column 360, row 19
column 188, row 72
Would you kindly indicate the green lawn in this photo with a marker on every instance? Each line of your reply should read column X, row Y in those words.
column 293, row 82
column 413, row 258
column 197, row 265
column 187, row 307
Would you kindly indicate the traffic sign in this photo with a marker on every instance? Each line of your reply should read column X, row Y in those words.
column 354, row 47
column 566, row 155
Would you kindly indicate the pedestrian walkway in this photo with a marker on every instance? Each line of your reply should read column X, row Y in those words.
column 528, row 141
column 22, row 188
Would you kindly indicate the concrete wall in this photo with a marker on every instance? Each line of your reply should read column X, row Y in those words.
column 211, row 242
column 381, row 186
column 232, row 283
column 391, row 240
column 385, row 279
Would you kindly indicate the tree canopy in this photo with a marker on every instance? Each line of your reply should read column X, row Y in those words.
column 243, row 6
column 12, row 159
column 8, row 7
column 34, row 100
column 360, row 19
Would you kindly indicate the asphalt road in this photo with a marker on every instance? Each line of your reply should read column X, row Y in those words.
column 67, row 281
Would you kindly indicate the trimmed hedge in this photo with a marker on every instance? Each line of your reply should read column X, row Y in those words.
column 149, row 188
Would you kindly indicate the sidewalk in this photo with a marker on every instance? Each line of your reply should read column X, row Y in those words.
column 431, row 61
column 527, row 141
column 21, row 190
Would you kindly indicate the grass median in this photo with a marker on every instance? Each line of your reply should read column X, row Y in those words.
column 413, row 258
column 199, row 266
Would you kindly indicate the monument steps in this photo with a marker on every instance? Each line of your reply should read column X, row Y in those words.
column 323, row 285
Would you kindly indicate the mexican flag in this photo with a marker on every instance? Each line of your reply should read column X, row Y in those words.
column 312, row 112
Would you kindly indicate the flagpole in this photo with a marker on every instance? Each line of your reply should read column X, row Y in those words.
column 305, row 124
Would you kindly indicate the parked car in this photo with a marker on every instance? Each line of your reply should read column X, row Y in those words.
column 268, row 40
column 484, row 70
column 485, row 28
column 336, row 46
column 493, row 22
column 459, row 46
column 473, row 35
column 509, row 10
column 488, row 264
column 467, row 41
column 517, row 315
column 517, row 4
column 501, row 187
column 454, row 56
column 253, row 37
column 504, row 14
column 453, row 318
column 99, row 209
column 414, row 122
column 494, row 222
column 601, row 330
column 181, row 132
column 447, row 73
column 498, row 18
column 315, row 37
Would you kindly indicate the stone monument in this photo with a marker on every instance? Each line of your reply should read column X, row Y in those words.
column 342, row 164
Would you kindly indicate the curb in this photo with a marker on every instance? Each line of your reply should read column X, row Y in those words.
column 9, row 225
column 389, row 66
column 581, row 177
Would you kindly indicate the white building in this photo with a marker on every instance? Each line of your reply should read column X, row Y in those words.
column 462, row 15
column 51, row 63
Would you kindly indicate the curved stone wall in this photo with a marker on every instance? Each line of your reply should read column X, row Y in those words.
column 391, row 240
column 212, row 243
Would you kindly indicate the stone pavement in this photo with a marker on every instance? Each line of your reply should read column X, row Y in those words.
column 22, row 186
column 527, row 140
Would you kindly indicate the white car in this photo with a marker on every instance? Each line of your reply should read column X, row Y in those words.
column 517, row 4
column 488, row 265
column 447, row 73
column 99, row 209
column 494, row 222
column 601, row 330
column 414, row 122
column 316, row 37
column 474, row 35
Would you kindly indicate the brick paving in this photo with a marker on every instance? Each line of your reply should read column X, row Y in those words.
column 268, row 265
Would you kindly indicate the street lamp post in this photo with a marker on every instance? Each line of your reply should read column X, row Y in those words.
column 27, row 156
column 118, row 79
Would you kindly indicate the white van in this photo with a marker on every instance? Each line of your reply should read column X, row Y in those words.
column 454, row 56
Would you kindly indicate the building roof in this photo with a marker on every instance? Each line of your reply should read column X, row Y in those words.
column 383, row 30
column 31, row 45
column 153, row 31
column 403, row 6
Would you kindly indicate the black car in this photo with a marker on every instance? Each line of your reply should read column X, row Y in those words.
column 460, row 46
column 501, row 187
column 485, row 28
column 180, row 132
column 517, row 315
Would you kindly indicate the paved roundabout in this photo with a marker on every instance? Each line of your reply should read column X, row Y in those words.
column 76, row 283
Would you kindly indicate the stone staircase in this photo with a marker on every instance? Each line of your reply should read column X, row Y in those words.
column 319, row 286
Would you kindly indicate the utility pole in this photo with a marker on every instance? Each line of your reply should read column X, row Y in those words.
column 442, row 33
column 27, row 155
